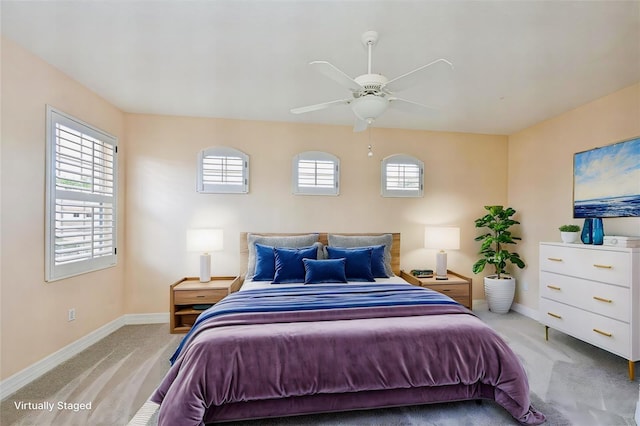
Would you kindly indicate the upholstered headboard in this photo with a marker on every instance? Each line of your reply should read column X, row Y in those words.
column 323, row 238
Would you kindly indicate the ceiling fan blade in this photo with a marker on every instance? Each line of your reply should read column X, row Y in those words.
column 412, row 78
column 317, row 107
column 408, row 106
column 360, row 125
column 336, row 75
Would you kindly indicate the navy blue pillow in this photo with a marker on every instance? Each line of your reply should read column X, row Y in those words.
column 325, row 271
column 265, row 263
column 358, row 262
column 288, row 263
column 377, row 262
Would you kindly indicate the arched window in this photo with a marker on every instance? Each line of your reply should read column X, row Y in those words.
column 223, row 170
column 402, row 176
column 316, row 173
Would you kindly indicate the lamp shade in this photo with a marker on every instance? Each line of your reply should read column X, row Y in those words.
column 442, row 237
column 369, row 107
column 204, row 240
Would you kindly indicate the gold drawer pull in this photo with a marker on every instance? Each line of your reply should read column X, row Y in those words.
column 553, row 287
column 603, row 266
column 555, row 259
column 602, row 332
column 554, row 315
column 602, row 299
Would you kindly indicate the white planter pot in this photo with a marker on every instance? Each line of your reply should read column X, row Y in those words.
column 569, row 237
column 499, row 293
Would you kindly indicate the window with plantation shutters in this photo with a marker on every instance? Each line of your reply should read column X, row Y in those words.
column 223, row 170
column 81, row 211
column 316, row 173
column 402, row 176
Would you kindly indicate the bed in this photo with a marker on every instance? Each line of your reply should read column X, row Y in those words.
column 333, row 339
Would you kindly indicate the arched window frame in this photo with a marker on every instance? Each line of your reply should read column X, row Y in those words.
column 402, row 176
column 320, row 173
column 223, row 170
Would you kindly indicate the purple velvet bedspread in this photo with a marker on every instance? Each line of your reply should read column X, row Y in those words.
column 264, row 364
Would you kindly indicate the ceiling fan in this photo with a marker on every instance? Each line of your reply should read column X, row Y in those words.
column 372, row 94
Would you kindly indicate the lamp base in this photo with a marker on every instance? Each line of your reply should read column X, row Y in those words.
column 441, row 278
column 441, row 265
column 205, row 268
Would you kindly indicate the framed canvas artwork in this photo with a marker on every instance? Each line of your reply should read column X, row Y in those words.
column 606, row 181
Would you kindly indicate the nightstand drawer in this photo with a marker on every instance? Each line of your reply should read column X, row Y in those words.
column 189, row 297
column 451, row 290
column 456, row 286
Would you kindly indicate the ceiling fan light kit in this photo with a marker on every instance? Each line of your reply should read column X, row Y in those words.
column 369, row 107
column 370, row 93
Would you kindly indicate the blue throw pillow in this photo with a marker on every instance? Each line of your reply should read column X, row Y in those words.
column 377, row 262
column 358, row 262
column 265, row 263
column 288, row 263
column 325, row 271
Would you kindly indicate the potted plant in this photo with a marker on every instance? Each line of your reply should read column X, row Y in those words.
column 569, row 233
column 499, row 288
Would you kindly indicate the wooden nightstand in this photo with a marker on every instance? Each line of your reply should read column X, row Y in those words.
column 189, row 292
column 457, row 287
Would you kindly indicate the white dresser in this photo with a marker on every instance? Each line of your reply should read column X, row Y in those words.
column 593, row 293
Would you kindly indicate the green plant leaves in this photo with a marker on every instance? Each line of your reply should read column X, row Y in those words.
column 499, row 221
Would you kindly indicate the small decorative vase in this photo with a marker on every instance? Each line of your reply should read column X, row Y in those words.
column 586, row 236
column 597, row 231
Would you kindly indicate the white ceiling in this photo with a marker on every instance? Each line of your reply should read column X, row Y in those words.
column 516, row 63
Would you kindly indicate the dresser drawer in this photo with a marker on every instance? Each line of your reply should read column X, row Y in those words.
column 599, row 265
column 606, row 333
column 600, row 298
column 190, row 297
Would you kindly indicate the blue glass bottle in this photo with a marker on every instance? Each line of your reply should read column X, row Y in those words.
column 586, row 236
column 598, row 231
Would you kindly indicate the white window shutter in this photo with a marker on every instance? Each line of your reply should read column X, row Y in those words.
column 402, row 176
column 81, row 197
column 316, row 173
column 223, row 170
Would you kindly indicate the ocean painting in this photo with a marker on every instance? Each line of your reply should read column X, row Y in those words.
column 606, row 181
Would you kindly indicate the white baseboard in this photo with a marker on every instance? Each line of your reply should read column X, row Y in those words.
column 13, row 383
column 158, row 318
column 526, row 311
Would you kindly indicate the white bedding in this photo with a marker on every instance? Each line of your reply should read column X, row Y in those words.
column 252, row 285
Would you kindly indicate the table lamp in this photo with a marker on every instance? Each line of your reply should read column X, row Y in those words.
column 442, row 238
column 204, row 241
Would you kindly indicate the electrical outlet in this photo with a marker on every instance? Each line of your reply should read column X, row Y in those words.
column 72, row 314
column 525, row 286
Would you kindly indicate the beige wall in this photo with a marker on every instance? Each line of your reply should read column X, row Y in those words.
column 541, row 174
column 33, row 312
column 463, row 173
